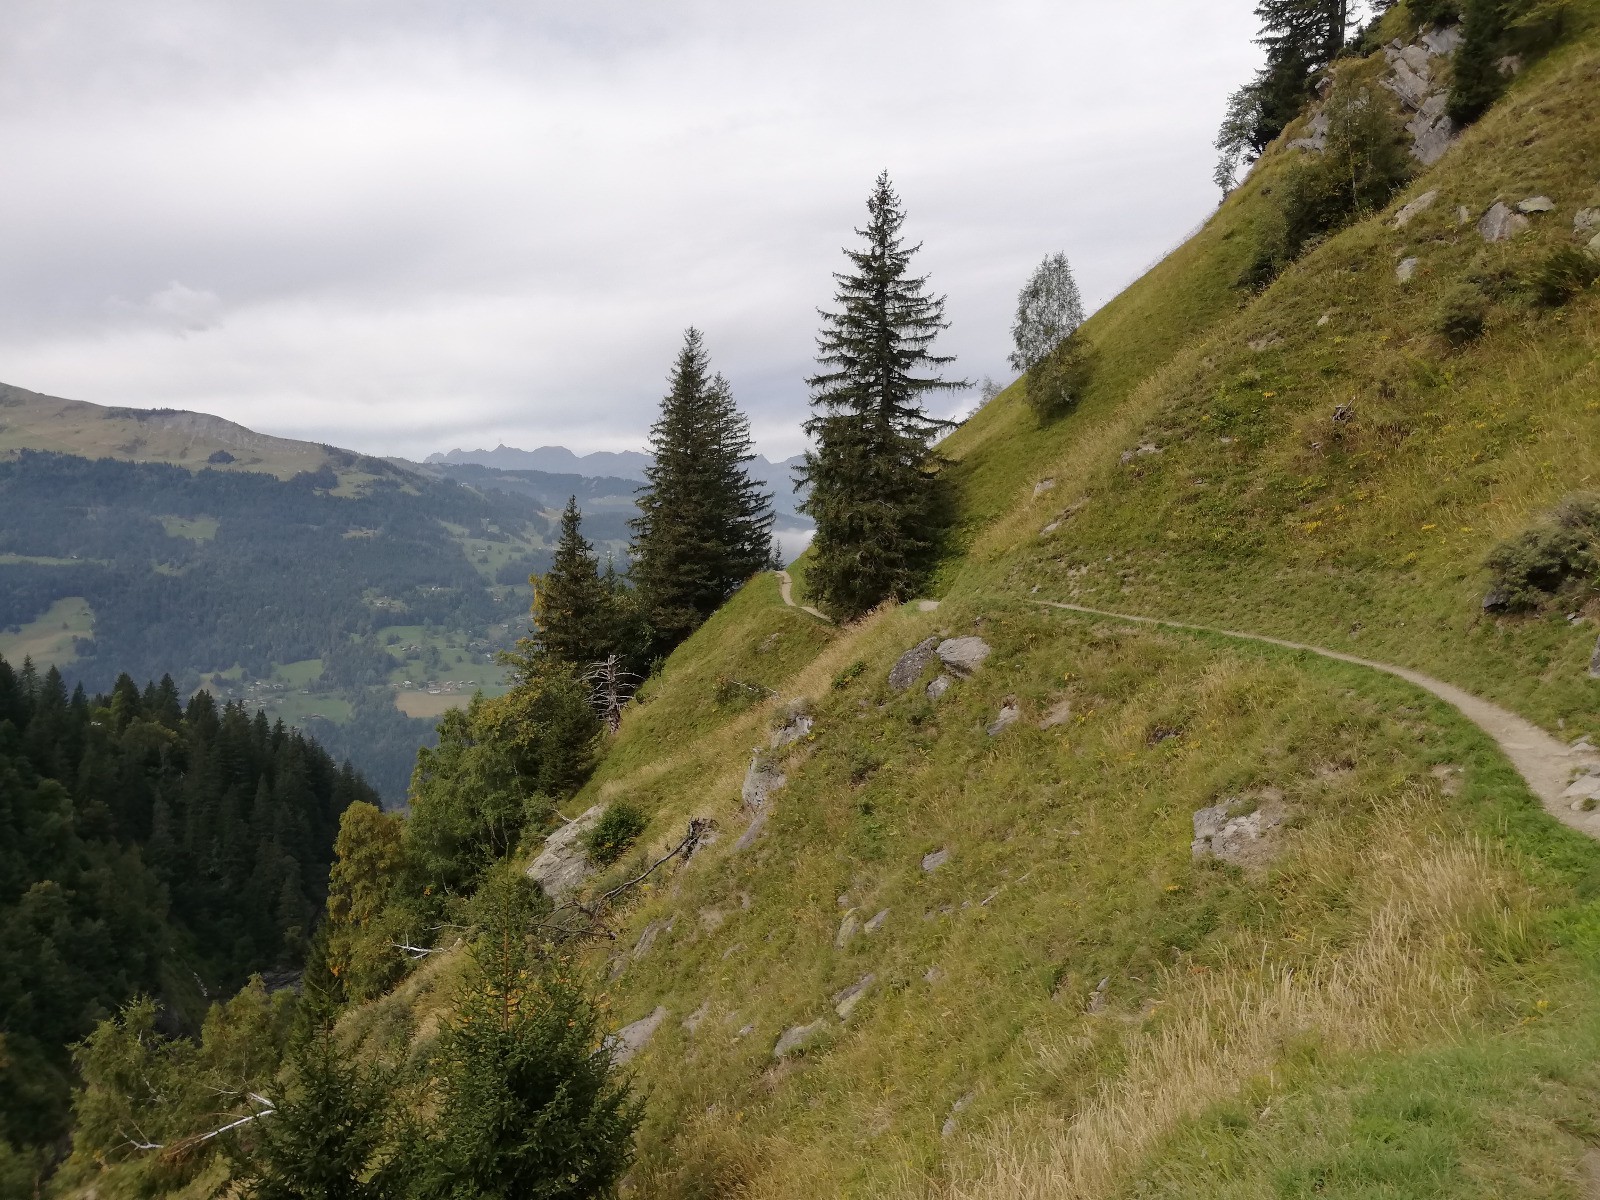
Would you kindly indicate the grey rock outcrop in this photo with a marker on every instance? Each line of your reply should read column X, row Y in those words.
column 648, row 937
column 912, row 663
column 1244, row 841
column 1316, row 139
column 692, row 1023
column 563, row 864
column 844, row 1003
column 795, row 1039
column 950, row 1124
column 932, row 862
column 1534, row 205
column 940, row 686
column 1414, row 79
column 751, row 832
column 1407, row 269
column 760, row 781
column 1594, row 662
column 1501, row 224
column 964, row 655
column 1043, row 486
column 1431, row 129
column 1415, row 208
column 630, row 1039
column 876, row 922
column 1586, row 222
column 796, row 727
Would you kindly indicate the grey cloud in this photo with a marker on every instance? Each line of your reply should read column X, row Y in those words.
column 410, row 225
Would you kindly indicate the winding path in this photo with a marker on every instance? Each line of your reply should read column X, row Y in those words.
column 786, row 590
column 1546, row 764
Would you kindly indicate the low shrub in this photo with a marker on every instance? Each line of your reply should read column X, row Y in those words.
column 1556, row 558
column 1364, row 163
column 1460, row 315
column 1562, row 274
column 617, row 829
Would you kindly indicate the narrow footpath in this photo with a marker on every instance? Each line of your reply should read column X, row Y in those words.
column 786, row 590
column 1547, row 764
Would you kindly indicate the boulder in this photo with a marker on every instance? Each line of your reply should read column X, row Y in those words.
column 940, row 686
column 932, row 862
column 927, row 606
column 1594, row 662
column 1415, row 208
column 694, row 1020
column 1587, row 219
column 876, row 923
column 795, row 1038
column 1444, row 41
column 1536, row 204
column 847, row 929
column 844, row 1003
column 630, row 1039
column 1500, row 224
column 1097, row 998
column 1010, row 714
column 1060, row 713
column 1496, row 600
column 911, row 665
column 1407, row 269
column 564, row 864
column 1043, row 486
column 963, row 655
column 760, row 781
column 1585, row 787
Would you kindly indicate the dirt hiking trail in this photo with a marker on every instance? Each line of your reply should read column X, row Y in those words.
column 1547, row 764
column 786, row 590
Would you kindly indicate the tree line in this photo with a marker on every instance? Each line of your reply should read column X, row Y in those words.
column 147, row 845
column 521, row 1090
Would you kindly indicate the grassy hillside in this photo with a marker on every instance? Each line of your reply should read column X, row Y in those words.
column 1398, row 999
column 979, row 916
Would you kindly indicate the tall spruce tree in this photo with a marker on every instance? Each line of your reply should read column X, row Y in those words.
column 572, row 607
column 874, row 493
column 704, row 525
column 1300, row 37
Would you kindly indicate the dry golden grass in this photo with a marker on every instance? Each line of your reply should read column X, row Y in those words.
column 1409, row 975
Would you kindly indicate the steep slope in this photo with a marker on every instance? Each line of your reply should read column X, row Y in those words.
column 1126, row 910
column 1389, row 991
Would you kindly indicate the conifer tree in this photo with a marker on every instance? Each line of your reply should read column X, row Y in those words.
column 874, row 493
column 571, row 605
column 1300, row 37
column 531, row 1103
column 704, row 526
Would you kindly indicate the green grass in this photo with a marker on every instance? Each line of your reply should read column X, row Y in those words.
column 48, row 639
column 1397, row 1002
column 199, row 529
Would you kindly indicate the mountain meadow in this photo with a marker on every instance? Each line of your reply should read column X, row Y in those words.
column 1177, row 779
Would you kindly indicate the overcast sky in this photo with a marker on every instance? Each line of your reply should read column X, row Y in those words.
column 404, row 225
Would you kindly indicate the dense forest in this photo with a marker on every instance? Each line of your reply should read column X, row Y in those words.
column 200, row 573
column 147, row 846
